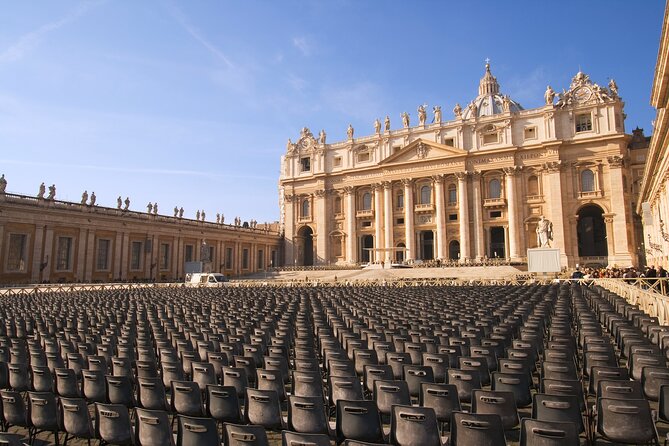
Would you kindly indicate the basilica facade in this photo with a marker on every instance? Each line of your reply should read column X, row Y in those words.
column 470, row 188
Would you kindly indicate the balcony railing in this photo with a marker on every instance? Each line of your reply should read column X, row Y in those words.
column 492, row 202
column 534, row 198
column 304, row 219
column 364, row 213
column 590, row 194
column 424, row 207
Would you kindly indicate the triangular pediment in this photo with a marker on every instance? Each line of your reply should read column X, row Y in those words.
column 421, row 150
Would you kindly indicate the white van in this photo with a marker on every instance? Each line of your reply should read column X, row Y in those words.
column 206, row 280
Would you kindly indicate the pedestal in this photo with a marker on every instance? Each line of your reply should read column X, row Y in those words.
column 543, row 260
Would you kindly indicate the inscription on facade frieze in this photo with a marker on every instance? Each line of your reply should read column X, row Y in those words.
column 489, row 160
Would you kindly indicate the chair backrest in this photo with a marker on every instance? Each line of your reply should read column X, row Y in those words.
column 443, row 398
column 625, row 421
column 203, row 373
column 652, row 378
column 223, row 404
column 43, row 410
column 559, row 370
column 112, row 423
column 414, row 375
column 502, row 403
column 411, row 426
column 465, row 381
column 245, row 435
column 301, row 439
column 186, row 398
column 439, row 363
column 237, row 378
column 263, row 408
column 388, row 393
column 374, row 372
column 471, row 429
column 271, row 380
column 518, row 383
column 153, row 428
column 307, row 415
column 151, row 394
column 42, row 379
column 8, row 439
column 547, row 433
column 19, row 377
column 358, row 420
column 146, row 369
column 13, row 408
column 598, row 373
column 307, row 384
column 120, row 390
column 343, row 388
column 194, row 431
column 620, row 389
column 67, row 384
column 561, row 408
column 75, row 417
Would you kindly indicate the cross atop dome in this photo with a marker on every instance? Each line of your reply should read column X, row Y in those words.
column 488, row 84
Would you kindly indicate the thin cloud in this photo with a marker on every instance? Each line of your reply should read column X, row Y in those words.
column 197, row 35
column 29, row 41
column 359, row 100
column 529, row 90
column 302, row 44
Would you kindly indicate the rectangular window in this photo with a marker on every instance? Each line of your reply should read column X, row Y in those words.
column 531, row 133
column 210, row 254
column 245, row 258
column 188, row 256
column 400, row 221
column 452, row 217
column 305, row 164
column 64, row 254
column 400, row 201
column 135, row 255
column 228, row 258
column 363, row 157
column 490, row 138
column 261, row 259
column 495, row 214
column 17, row 252
column 583, row 122
column 366, row 224
column 102, row 261
column 337, row 161
column 449, row 142
column 452, row 196
column 164, row 256
column 273, row 261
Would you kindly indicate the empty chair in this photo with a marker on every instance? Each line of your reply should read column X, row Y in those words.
column 307, row 384
column 75, row 419
column 476, row 429
column 547, row 433
column 186, row 399
column 307, row 415
column 301, row 439
column 478, row 364
column 243, row 435
column 42, row 379
column 13, row 409
column 343, row 388
column 362, row 357
column 599, row 373
column 223, row 404
column 194, row 431
column 639, row 361
column 171, row 371
column 218, row 360
column 121, row 366
column 652, row 378
column 439, row 363
column 559, row 408
column 389, row 393
column 414, row 375
column 358, row 420
column 443, row 398
column 43, row 410
column 518, row 383
column 619, row 389
column 120, row 390
column 559, row 370
column 414, row 426
column 397, row 361
column 151, row 394
column 271, row 380
column 237, row 378
column 263, row 408
column 96, row 362
column 502, row 403
column 625, row 421
column 145, row 369
column 153, row 428
column 112, row 424
column 374, row 372
column 279, row 363
column 465, row 381
column 19, row 377
column 339, row 367
column 203, row 374
column 67, row 384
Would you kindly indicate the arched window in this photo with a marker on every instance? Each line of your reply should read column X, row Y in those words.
column 400, row 200
column 533, row 185
column 452, row 194
column 337, row 205
column 587, row 181
column 494, row 189
column 425, row 195
column 305, row 208
column 366, row 201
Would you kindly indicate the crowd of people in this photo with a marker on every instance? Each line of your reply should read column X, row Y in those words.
column 619, row 273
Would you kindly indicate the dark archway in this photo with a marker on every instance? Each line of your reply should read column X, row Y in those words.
column 366, row 246
column 399, row 253
column 591, row 232
column 306, row 249
column 427, row 245
column 497, row 242
column 454, row 250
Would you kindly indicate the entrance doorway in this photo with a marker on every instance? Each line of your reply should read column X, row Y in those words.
column 306, row 248
column 591, row 232
column 454, row 250
column 497, row 243
column 399, row 254
column 426, row 245
column 366, row 245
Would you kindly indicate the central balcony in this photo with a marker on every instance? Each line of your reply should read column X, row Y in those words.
column 362, row 213
column 494, row 202
column 424, row 207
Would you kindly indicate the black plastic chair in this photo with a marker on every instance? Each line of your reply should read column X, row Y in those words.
column 153, row 428
column 502, row 403
column 476, row 429
column 43, row 414
column 112, row 424
column 194, row 431
column 301, row 439
column 411, row 426
column 625, row 421
column 151, row 394
column 389, row 393
column 358, row 420
column 547, row 433
column 307, row 415
column 76, row 419
column 186, row 399
column 223, row 404
column 245, row 435
column 263, row 408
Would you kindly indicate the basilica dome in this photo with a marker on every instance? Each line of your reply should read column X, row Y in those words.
column 489, row 101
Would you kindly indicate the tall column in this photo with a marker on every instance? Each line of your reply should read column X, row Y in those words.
column 351, row 235
column 322, row 221
column 288, row 226
column 49, row 258
column 463, row 216
column 478, row 216
column 512, row 208
column 125, row 256
column 409, row 233
column 81, row 255
column 621, row 254
column 38, row 254
column 118, row 253
column 553, row 187
column 441, row 216
column 90, row 256
column 388, row 220
column 378, row 222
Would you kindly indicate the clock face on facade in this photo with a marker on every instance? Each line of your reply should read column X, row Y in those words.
column 582, row 94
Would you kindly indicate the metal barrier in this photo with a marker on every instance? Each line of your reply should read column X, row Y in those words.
column 648, row 294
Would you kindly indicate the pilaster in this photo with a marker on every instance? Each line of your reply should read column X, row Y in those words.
column 409, row 233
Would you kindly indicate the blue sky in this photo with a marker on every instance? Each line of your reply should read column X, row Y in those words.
column 190, row 103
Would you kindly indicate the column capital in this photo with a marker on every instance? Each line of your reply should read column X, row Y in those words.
column 615, row 161
column 320, row 193
column 462, row 176
column 407, row 182
column 438, row 179
column 376, row 186
column 289, row 197
column 512, row 170
column 387, row 184
column 349, row 190
column 553, row 166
